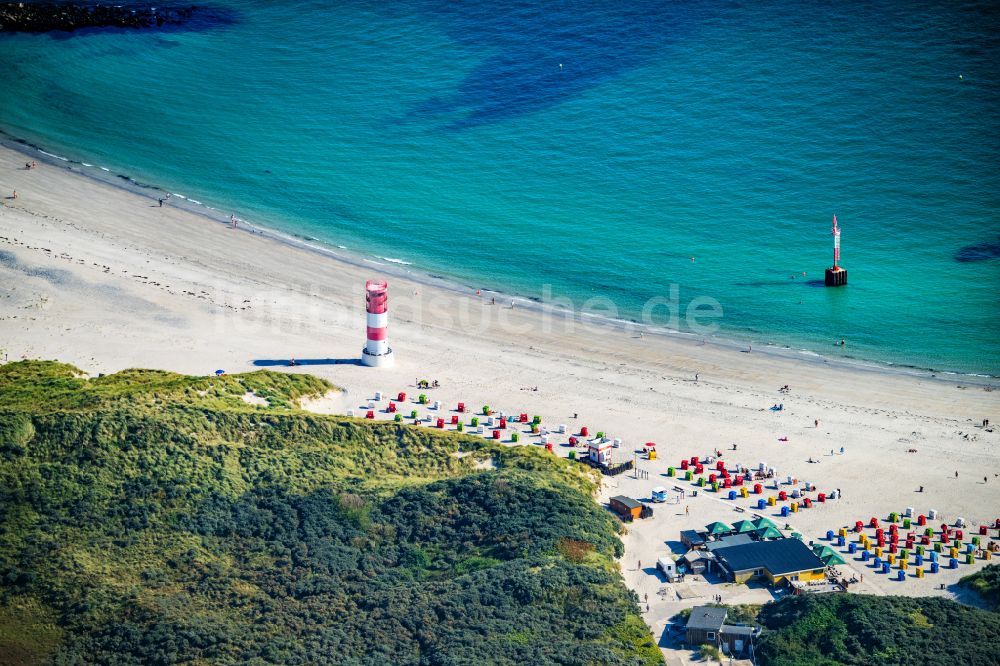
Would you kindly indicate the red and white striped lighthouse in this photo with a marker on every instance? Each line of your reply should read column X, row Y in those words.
column 377, row 352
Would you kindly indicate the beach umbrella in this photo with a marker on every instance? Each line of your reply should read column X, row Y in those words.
column 763, row 522
column 220, row 372
column 832, row 559
column 744, row 526
column 769, row 533
column 718, row 528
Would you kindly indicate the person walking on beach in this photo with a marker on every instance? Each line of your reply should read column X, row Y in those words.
column 687, row 510
column 956, row 473
column 14, row 196
column 161, row 202
column 816, row 423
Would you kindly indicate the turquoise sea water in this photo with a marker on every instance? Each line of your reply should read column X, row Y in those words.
column 585, row 149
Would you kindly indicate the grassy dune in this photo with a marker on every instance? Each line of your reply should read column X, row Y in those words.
column 149, row 517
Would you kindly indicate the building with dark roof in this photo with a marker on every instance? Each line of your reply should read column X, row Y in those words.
column 705, row 618
column 727, row 541
column 629, row 509
column 697, row 561
column 775, row 561
column 693, row 538
column 707, row 624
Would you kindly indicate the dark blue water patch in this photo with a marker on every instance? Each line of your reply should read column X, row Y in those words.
column 203, row 19
column 539, row 55
column 979, row 252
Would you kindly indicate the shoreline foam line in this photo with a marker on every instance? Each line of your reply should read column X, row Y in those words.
column 402, row 269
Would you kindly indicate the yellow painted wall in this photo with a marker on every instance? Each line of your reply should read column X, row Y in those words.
column 816, row 574
column 804, row 576
column 744, row 577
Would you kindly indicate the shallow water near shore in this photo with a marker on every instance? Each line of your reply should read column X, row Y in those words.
column 583, row 151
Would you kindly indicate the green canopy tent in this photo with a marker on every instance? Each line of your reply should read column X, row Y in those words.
column 763, row 522
column 832, row 559
column 797, row 535
column 718, row 528
column 769, row 533
column 823, row 551
column 744, row 527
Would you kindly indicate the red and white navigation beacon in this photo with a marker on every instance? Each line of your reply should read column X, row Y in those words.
column 377, row 352
column 836, row 276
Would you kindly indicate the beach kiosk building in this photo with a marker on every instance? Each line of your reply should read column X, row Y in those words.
column 668, row 568
column 599, row 451
column 776, row 562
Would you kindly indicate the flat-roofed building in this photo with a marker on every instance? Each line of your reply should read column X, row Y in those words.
column 727, row 541
column 774, row 561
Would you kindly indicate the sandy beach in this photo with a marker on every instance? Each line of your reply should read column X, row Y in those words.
column 104, row 278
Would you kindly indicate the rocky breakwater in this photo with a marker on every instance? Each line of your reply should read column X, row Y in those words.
column 47, row 17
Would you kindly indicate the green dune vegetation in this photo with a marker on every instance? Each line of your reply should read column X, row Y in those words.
column 835, row 629
column 154, row 518
column 986, row 583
